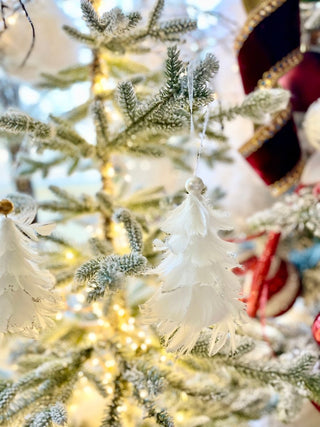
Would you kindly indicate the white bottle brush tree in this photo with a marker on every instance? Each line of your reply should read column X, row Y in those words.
column 199, row 288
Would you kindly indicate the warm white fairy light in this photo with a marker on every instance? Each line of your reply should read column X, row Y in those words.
column 107, row 377
column 134, row 346
column 122, row 408
column 111, row 172
column 124, row 327
column 95, row 361
column 163, row 358
column 116, row 307
column 128, row 340
column 114, row 115
column 59, row 315
column 103, row 84
column 69, row 255
column 179, row 417
column 144, row 347
column 92, row 337
column 143, row 394
column 118, row 228
column 87, row 389
column 141, row 334
column 121, row 312
column 110, row 363
column 109, row 390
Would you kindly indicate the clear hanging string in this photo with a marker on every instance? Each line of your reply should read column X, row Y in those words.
column 202, row 139
column 191, row 68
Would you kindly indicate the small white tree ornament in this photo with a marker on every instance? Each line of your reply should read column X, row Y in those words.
column 199, row 289
column 26, row 297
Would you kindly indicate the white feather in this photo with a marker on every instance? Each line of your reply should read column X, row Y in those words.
column 199, row 289
column 26, row 297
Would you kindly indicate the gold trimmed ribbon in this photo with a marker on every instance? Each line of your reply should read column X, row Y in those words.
column 269, row 79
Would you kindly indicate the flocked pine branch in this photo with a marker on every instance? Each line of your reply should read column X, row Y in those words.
column 258, row 106
column 102, row 127
column 116, row 32
column 297, row 213
column 117, row 67
column 37, row 398
column 101, row 274
column 112, row 417
column 106, row 273
column 133, row 229
column 167, row 112
column 31, row 166
column 66, row 77
column 147, row 385
column 298, row 374
column 311, row 283
column 67, row 202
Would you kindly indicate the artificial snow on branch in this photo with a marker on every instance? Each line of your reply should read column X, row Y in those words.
column 106, row 272
column 298, row 212
column 26, row 297
column 258, row 106
column 199, row 289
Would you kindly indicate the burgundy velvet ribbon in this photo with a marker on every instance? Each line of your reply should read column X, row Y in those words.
column 276, row 36
column 303, row 81
column 271, row 40
column 278, row 155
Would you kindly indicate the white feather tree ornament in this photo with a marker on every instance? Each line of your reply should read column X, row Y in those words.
column 26, row 297
column 199, row 289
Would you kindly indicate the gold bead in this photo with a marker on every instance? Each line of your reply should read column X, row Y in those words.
column 6, row 206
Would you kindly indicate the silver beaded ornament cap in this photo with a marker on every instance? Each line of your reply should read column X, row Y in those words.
column 195, row 185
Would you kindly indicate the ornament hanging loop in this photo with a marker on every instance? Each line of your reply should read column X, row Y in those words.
column 190, row 76
column 6, row 207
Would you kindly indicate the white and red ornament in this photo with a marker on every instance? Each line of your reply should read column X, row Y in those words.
column 271, row 285
column 27, row 300
column 199, row 288
column 316, row 329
